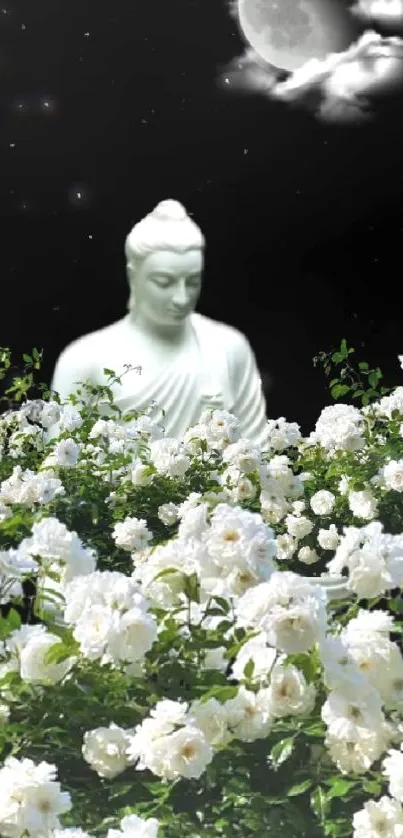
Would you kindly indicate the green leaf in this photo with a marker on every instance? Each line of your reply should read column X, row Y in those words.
column 192, row 587
column 339, row 390
column 167, row 572
column 249, row 669
column 303, row 662
column 223, row 603
column 396, row 605
column 300, row 788
column 57, row 653
column 282, row 751
column 363, row 366
column 222, row 694
column 319, row 804
column 27, row 358
column 13, row 619
column 339, row 787
column 372, row 786
column 374, row 377
column 316, row 730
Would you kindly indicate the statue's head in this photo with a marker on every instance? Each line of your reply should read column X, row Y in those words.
column 164, row 262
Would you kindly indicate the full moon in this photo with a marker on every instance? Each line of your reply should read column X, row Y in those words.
column 288, row 33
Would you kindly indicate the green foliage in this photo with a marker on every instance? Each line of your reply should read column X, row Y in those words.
column 282, row 785
column 362, row 384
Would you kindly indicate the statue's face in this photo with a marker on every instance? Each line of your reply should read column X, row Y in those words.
column 167, row 285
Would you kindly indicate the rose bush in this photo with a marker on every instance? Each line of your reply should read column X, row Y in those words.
column 170, row 664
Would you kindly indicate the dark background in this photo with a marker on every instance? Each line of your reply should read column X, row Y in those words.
column 110, row 107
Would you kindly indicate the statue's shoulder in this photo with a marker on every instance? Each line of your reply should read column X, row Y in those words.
column 227, row 337
column 91, row 343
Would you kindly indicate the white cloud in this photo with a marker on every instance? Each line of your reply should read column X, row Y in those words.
column 249, row 73
column 345, row 86
column 380, row 11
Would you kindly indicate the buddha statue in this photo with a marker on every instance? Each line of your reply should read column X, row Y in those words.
column 182, row 362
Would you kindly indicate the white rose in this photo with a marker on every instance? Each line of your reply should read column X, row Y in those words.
column 249, row 714
column 393, row 770
column 211, row 718
column 298, row 526
column 262, row 656
column 131, row 826
column 104, row 749
column 93, row 629
column 322, row 502
column 168, row 514
column 307, row 555
column 286, row 547
column 184, row 753
column 133, row 636
column 328, row 539
column 383, row 817
column 363, row 504
column 357, row 749
column 131, row 534
column 66, row 453
column 392, row 475
column 290, row 695
column 140, row 474
column 273, row 507
column 33, row 667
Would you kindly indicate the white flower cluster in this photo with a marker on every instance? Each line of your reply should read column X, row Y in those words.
column 379, row 819
column 231, row 552
column 132, row 534
column 59, row 556
column 28, row 488
column 104, row 749
column 131, row 826
column 31, row 802
column 287, row 609
column 279, row 488
column 374, row 560
column 386, row 406
column 340, row 427
column 110, row 617
column 216, row 430
column 363, row 669
column 169, row 457
column 241, row 459
column 168, row 745
column 391, row 476
column 363, row 504
column 119, row 437
column 31, row 799
column 13, row 569
column 322, row 503
column 281, row 434
column 288, row 693
column 25, row 651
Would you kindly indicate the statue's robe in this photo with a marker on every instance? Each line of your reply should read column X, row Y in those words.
column 217, row 370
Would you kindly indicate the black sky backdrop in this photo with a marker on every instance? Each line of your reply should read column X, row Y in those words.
column 110, row 107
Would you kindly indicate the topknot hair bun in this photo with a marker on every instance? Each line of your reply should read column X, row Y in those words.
column 169, row 210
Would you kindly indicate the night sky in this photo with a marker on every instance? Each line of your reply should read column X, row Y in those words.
column 110, row 107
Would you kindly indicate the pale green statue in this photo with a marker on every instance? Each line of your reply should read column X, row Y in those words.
column 188, row 362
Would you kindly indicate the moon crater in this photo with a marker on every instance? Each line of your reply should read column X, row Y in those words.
column 288, row 33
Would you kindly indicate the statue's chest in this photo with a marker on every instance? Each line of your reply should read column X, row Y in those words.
column 140, row 369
